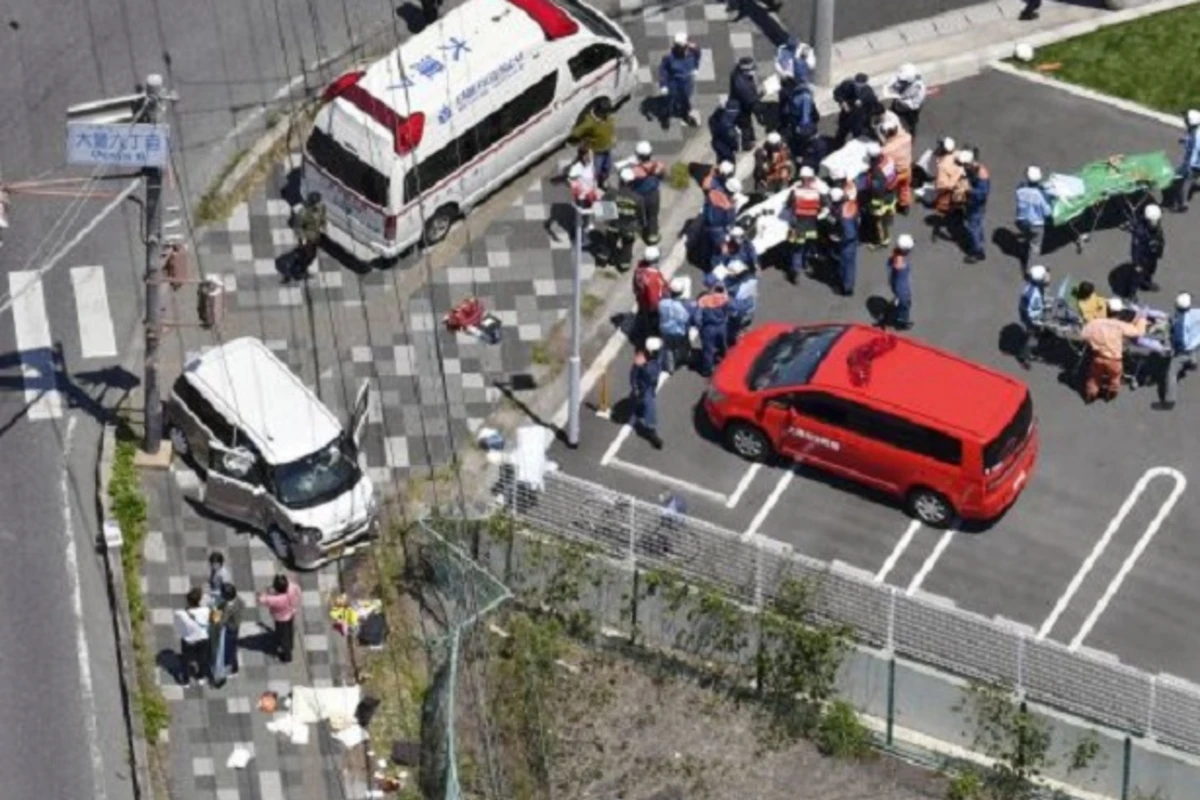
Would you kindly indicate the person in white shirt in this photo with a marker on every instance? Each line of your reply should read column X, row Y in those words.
column 908, row 94
column 191, row 624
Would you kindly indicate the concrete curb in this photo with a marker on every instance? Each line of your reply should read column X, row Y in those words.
column 143, row 788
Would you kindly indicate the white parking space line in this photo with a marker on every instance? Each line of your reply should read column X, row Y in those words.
column 96, row 337
column 742, row 486
column 930, row 562
column 772, row 501
column 1114, row 525
column 659, row 477
column 898, row 551
column 34, row 344
column 627, row 430
column 1147, row 536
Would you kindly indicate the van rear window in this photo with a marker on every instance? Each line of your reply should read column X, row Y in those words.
column 1011, row 438
column 595, row 23
column 355, row 174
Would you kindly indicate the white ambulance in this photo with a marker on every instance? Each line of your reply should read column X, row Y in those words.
column 402, row 149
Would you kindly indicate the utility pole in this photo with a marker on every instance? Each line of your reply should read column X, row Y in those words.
column 574, row 363
column 154, row 232
column 823, row 41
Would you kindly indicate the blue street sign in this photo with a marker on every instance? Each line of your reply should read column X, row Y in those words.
column 118, row 145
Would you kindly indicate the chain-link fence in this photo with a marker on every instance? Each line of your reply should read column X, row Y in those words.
column 752, row 570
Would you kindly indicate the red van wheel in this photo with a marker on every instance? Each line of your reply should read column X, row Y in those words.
column 930, row 508
column 747, row 441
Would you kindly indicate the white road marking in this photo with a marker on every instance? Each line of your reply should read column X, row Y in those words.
column 930, row 562
column 776, row 493
column 96, row 337
column 1113, row 526
column 743, row 485
column 35, row 345
column 627, row 430
column 655, row 475
column 71, row 556
column 1147, row 536
column 898, row 551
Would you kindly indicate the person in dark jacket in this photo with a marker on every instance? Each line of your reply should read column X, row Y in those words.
column 719, row 216
column 677, row 78
column 800, row 122
column 744, row 90
column 858, row 105
column 649, row 174
column 643, row 390
column 597, row 131
column 712, row 318
column 1147, row 246
column 723, row 125
column 979, row 186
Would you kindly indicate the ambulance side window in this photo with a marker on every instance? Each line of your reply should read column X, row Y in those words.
column 592, row 58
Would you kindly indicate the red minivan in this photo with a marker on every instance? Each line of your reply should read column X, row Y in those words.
column 951, row 438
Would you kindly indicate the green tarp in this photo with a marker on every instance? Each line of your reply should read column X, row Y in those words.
column 1115, row 176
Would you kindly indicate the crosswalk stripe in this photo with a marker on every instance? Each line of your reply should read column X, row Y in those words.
column 34, row 345
column 96, row 337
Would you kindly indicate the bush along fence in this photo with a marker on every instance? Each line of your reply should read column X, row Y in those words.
column 677, row 583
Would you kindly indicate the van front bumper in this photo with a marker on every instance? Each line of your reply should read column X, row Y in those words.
column 317, row 555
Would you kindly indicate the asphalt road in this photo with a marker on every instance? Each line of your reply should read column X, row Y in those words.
column 1092, row 457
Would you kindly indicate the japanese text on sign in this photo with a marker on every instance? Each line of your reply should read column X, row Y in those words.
column 484, row 85
column 138, row 145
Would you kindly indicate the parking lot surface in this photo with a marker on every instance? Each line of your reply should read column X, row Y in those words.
column 1100, row 549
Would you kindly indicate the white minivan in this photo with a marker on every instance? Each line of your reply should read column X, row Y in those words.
column 402, row 149
column 272, row 455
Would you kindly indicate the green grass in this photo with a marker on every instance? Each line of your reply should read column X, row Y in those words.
column 1151, row 61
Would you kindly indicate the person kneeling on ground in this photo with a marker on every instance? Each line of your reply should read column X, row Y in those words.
column 1105, row 339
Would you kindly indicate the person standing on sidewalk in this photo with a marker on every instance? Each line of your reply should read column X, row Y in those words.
column 674, row 317
column 309, row 224
column 630, row 221
column 1146, row 248
column 1189, row 167
column 843, row 212
column 224, row 635
column 677, row 79
column 1185, row 341
column 1033, row 209
column 597, row 131
column 283, row 603
column 191, row 624
column 649, row 288
column 218, row 576
column 795, row 60
column 649, row 173
column 643, row 386
column 723, row 126
column 979, row 186
column 743, row 89
column 898, row 146
column 900, row 282
column 908, row 96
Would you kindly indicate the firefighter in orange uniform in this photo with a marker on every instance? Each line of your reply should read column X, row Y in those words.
column 805, row 202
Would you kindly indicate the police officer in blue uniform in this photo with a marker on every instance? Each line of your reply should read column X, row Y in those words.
column 677, row 78
column 979, row 186
column 719, row 216
column 1033, row 209
column 843, row 223
column 1031, row 310
column 799, row 121
column 1146, row 247
column 723, row 125
column 743, row 90
column 643, row 390
column 712, row 318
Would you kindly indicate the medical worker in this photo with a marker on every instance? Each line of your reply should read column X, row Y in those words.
column 882, row 180
column 723, row 126
column 649, row 174
column 631, row 219
column 1147, row 246
column 900, row 282
column 908, row 96
column 649, row 288
column 805, row 202
column 773, row 168
column 1189, row 167
column 1031, row 310
column 1033, row 209
column 719, row 215
column 674, row 318
column 1185, row 341
column 744, row 90
column 717, row 177
column 643, row 390
column 979, row 186
column 742, row 288
column 677, row 78
column 844, row 238
column 795, row 60
column 898, row 146
column 712, row 318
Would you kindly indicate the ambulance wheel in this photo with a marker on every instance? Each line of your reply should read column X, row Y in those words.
column 437, row 226
column 748, row 441
column 930, row 508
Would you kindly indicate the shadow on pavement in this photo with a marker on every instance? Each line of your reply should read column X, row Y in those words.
column 89, row 391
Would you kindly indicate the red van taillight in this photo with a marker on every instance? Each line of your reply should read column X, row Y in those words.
column 339, row 86
column 389, row 227
column 408, row 133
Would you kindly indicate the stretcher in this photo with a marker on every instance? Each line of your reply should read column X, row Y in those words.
column 1079, row 200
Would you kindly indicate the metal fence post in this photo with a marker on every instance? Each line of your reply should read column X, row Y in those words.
column 891, row 697
column 1021, row 665
column 1127, row 768
column 891, row 629
column 632, row 532
column 1150, row 706
column 758, row 574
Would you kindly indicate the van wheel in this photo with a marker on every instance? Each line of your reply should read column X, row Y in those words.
column 179, row 442
column 278, row 541
column 437, row 226
column 930, row 508
column 747, row 441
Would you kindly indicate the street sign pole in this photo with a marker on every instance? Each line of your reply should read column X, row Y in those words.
column 154, row 231
column 823, row 41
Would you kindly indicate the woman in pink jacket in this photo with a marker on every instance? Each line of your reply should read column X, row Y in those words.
column 283, row 601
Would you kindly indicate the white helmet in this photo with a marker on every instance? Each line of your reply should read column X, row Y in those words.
column 1034, row 174
column 806, row 172
column 1116, row 305
column 837, row 173
column 737, row 232
column 720, row 273
column 907, row 73
column 677, row 285
column 948, row 144
column 643, row 149
column 1192, row 118
column 904, row 242
column 652, row 254
column 836, row 194
column 726, row 168
column 1183, row 301
column 1023, row 51
column 964, row 157
column 733, row 185
column 628, row 175
column 874, row 150
column 1153, row 213
column 653, row 344
column 1039, row 274
column 737, row 267
column 680, row 38
column 774, row 139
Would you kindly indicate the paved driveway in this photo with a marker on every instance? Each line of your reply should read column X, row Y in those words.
column 1130, row 572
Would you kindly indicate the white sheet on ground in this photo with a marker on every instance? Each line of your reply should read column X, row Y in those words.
column 335, row 703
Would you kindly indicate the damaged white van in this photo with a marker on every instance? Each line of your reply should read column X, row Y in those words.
column 272, row 455
column 403, row 148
